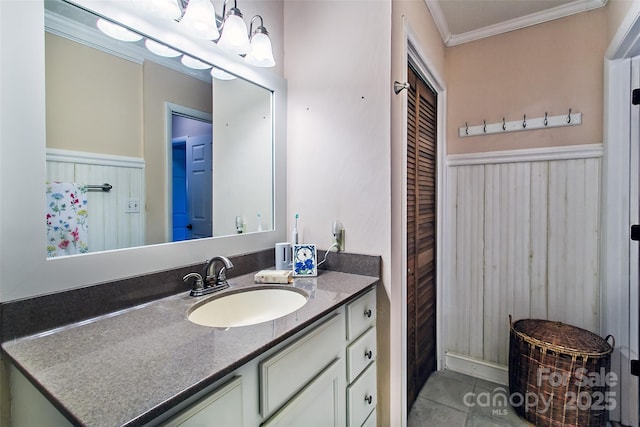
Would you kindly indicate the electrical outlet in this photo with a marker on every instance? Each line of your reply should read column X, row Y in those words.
column 340, row 240
column 133, row 206
column 337, row 231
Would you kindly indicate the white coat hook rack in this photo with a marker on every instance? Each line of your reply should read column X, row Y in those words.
column 526, row 123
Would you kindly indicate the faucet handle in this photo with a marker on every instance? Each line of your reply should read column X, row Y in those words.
column 198, row 284
column 221, row 279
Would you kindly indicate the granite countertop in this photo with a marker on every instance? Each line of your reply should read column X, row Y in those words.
column 128, row 367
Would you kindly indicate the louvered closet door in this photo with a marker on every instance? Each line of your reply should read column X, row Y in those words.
column 421, row 235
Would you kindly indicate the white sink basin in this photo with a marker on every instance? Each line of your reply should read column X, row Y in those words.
column 247, row 307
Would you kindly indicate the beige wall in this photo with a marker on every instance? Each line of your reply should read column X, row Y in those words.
column 94, row 100
column 163, row 85
column 549, row 67
column 617, row 11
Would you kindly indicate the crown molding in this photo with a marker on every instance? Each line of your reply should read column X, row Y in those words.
column 557, row 12
column 439, row 19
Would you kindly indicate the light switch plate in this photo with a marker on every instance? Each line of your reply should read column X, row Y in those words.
column 133, row 205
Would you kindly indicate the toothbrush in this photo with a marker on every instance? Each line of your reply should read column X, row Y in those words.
column 294, row 234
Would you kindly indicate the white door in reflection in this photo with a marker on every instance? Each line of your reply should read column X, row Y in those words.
column 199, row 175
column 192, row 180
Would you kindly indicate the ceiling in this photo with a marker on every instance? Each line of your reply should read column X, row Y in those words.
column 462, row 21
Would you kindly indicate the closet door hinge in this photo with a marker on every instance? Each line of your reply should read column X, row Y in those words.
column 635, row 97
column 635, row 368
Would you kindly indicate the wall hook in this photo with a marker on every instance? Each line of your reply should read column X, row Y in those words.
column 504, row 124
column 524, row 121
column 546, row 120
column 399, row 87
column 466, row 128
column 484, row 128
column 569, row 116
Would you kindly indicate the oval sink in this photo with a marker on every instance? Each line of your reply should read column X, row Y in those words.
column 247, row 307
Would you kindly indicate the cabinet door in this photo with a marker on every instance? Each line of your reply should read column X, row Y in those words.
column 222, row 408
column 319, row 404
column 286, row 372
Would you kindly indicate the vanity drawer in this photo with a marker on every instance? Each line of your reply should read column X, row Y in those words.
column 361, row 353
column 362, row 397
column 285, row 373
column 361, row 314
column 372, row 419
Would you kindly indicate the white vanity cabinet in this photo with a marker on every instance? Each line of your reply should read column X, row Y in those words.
column 361, row 361
column 324, row 376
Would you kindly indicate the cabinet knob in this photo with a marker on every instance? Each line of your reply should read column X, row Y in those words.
column 368, row 354
column 368, row 313
column 368, row 399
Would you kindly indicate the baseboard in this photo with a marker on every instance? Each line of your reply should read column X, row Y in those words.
column 477, row 368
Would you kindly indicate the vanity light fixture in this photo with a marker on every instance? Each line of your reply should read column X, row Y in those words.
column 116, row 31
column 194, row 63
column 160, row 49
column 200, row 19
column 261, row 53
column 234, row 37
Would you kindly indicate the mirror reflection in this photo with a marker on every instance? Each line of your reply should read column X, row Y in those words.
column 186, row 156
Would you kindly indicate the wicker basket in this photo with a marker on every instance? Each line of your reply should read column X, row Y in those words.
column 559, row 374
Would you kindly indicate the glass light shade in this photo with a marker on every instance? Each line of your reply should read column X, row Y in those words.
column 221, row 75
column 261, row 53
column 200, row 20
column 194, row 63
column 163, row 9
column 160, row 49
column 117, row 32
column 234, row 38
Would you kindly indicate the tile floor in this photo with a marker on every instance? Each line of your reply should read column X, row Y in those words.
column 443, row 402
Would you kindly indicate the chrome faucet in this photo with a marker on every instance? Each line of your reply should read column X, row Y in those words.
column 219, row 277
column 214, row 280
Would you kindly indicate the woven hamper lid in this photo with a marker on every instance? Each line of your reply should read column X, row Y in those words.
column 561, row 337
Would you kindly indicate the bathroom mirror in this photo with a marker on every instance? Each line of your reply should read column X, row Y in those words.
column 25, row 271
column 186, row 155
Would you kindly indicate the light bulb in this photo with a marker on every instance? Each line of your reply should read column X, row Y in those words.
column 117, row 32
column 200, row 20
column 160, row 49
column 194, row 63
column 261, row 54
column 234, row 37
column 221, row 75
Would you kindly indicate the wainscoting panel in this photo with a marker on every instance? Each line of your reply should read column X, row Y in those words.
column 524, row 242
column 111, row 225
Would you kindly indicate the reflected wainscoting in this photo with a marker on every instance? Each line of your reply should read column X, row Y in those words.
column 115, row 219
